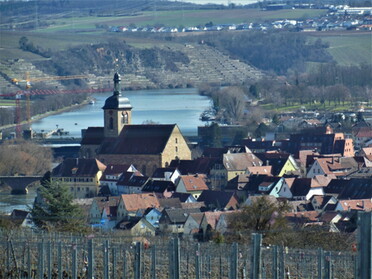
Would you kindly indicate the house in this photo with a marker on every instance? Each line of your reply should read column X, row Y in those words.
column 232, row 164
column 238, row 163
column 147, row 147
column 161, row 187
column 209, row 223
column 21, row 218
column 152, row 215
column 137, row 227
column 280, row 189
column 201, row 165
column 192, row 224
column 112, row 174
column 320, row 202
column 338, row 166
column 103, row 212
column 173, row 219
column 219, row 200
column 357, row 204
column 81, row 176
column 166, row 174
column 361, row 136
column 266, row 185
column 131, row 182
column 322, row 139
column 132, row 205
column 281, row 163
column 184, row 197
column 191, row 184
column 305, row 188
column 259, row 146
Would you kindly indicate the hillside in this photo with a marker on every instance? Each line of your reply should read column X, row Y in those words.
column 164, row 66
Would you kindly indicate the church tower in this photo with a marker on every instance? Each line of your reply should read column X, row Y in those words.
column 117, row 111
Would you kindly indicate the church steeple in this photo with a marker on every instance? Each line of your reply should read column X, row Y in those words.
column 117, row 87
column 117, row 111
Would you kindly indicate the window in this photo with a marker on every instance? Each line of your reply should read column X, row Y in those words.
column 78, row 188
column 111, row 123
column 124, row 118
column 176, row 149
column 176, row 140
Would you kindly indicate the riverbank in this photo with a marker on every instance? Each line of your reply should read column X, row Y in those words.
column 10, row 127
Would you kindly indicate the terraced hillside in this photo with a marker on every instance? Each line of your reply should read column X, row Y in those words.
column 207, row 65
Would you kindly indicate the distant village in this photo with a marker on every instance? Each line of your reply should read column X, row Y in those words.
column 340, row 17
column 148, row 180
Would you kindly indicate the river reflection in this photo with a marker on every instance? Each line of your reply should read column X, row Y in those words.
column 165, row 106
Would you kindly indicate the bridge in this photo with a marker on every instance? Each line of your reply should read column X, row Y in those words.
column 19, row 184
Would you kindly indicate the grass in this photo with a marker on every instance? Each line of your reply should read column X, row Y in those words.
column 348, row 48
column 333, row 106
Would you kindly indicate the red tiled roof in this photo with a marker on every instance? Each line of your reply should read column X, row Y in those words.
column 362, row 204
column 134, row 202
column 194, row 182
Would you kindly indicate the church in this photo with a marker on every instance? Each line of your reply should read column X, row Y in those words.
column 147, row 147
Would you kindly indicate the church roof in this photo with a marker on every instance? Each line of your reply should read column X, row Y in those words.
column 117, row 102
column 142, row 139
column 93, row 136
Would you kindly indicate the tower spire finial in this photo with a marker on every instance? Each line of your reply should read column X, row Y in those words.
column 117, row 88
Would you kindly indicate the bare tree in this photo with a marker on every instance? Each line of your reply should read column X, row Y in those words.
column 24, row 158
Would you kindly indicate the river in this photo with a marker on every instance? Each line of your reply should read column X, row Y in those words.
column 165, row 106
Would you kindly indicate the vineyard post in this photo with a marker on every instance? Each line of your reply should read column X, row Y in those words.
column 275, row 262
column 197, row 262
column 153, row 262
column 328, row 265
column 90, row 259
column 320, row 263
column 256, row 256
column 234, row 261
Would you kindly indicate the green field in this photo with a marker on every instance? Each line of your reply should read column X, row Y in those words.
column 178, row 18
column 333, row 106
column 348, row 48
